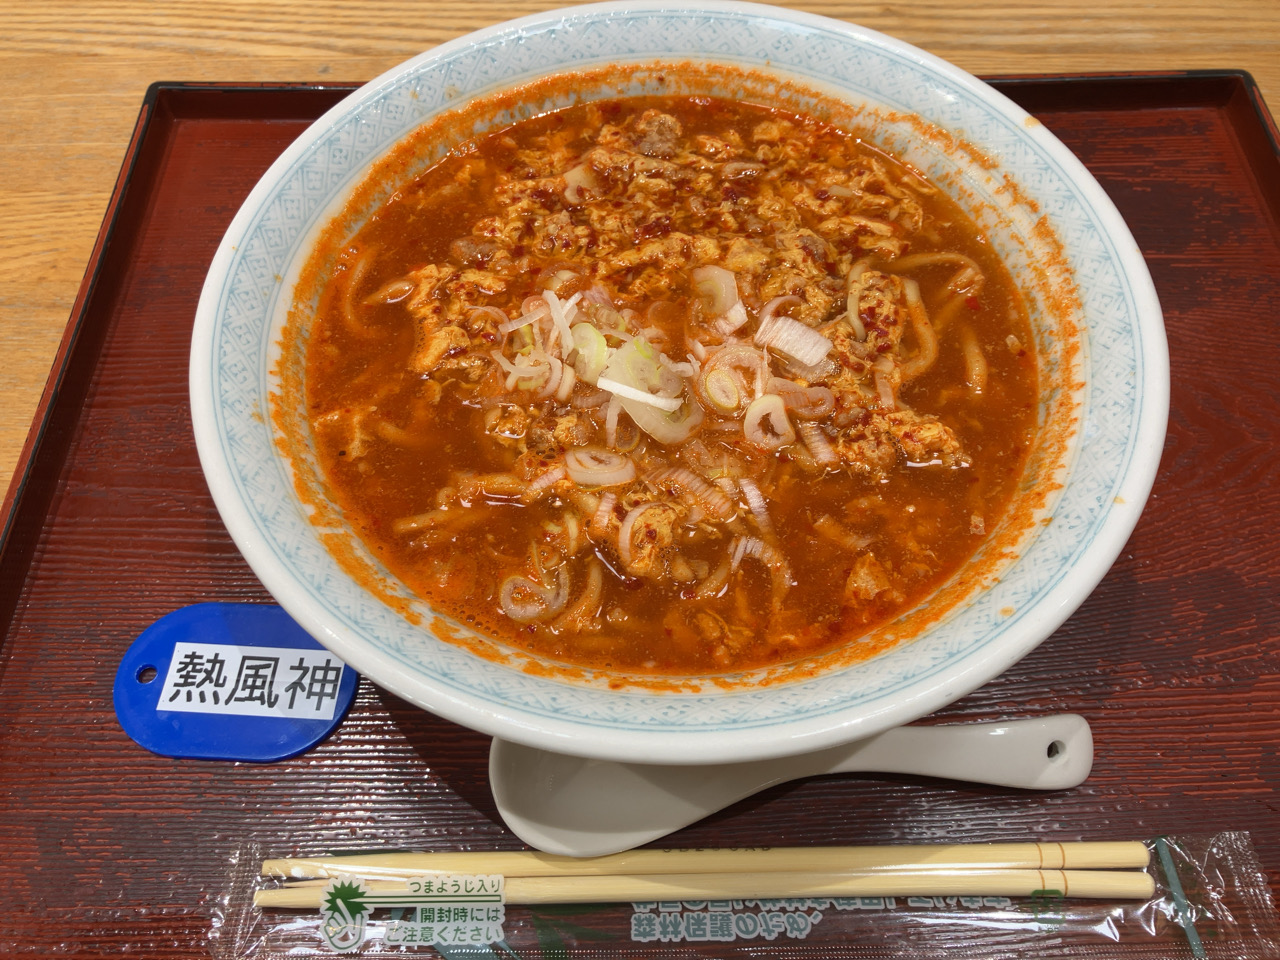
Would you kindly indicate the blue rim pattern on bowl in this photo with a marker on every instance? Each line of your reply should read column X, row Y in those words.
column 231, row 380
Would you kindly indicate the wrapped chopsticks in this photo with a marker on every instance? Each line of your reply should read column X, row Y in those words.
column 1094, row 884
column 1110, row 870
column 528, row 863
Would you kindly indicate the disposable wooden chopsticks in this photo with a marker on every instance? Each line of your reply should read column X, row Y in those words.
column 1093, row 884
column 941, row 856
column 1092, row 870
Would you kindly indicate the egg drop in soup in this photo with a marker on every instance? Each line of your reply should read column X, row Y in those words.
column 672, row 385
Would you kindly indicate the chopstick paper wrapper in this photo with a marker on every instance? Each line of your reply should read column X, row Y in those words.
column 1092, row 870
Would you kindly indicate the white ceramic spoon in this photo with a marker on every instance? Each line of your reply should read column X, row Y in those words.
column 579, row 807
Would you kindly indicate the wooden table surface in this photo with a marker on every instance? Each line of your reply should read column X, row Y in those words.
column 73, row 74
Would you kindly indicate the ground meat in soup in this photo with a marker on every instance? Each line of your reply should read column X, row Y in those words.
column 672, row 385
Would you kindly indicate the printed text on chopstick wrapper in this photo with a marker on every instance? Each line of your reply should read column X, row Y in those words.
column 452, row 909
column 252, row 681
column 747, row 920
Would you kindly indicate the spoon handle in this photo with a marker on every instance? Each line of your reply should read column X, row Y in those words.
column 1047, row 753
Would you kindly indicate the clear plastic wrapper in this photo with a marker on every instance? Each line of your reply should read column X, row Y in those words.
column 1211, row 900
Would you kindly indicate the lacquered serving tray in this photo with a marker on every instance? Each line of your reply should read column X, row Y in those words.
column 109, row 525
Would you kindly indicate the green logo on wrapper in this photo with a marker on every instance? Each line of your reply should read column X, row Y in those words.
column 344, row 912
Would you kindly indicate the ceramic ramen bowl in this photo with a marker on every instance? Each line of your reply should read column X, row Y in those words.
column 1099, row 339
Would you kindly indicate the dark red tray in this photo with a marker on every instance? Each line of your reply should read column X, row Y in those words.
column 109, row 525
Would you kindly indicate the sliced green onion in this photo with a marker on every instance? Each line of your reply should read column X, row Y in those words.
column 717, row 287
column 621, row 390
column 598, row 467
column 793, row 338
column 765, row 423
column 559, row 316
column 734, row 318
column 653, row 394
column 593, row 352
column 723, row 390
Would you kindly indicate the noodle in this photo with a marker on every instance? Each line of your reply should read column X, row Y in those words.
column 625, row 357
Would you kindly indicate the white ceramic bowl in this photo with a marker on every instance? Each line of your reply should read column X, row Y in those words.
column 1111, row 375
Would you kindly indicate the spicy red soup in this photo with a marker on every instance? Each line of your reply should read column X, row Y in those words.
column 673, row 385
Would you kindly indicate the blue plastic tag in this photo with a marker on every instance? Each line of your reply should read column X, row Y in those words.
column 230, row 681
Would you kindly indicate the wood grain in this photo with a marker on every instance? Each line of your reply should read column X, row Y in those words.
column 73, row 74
